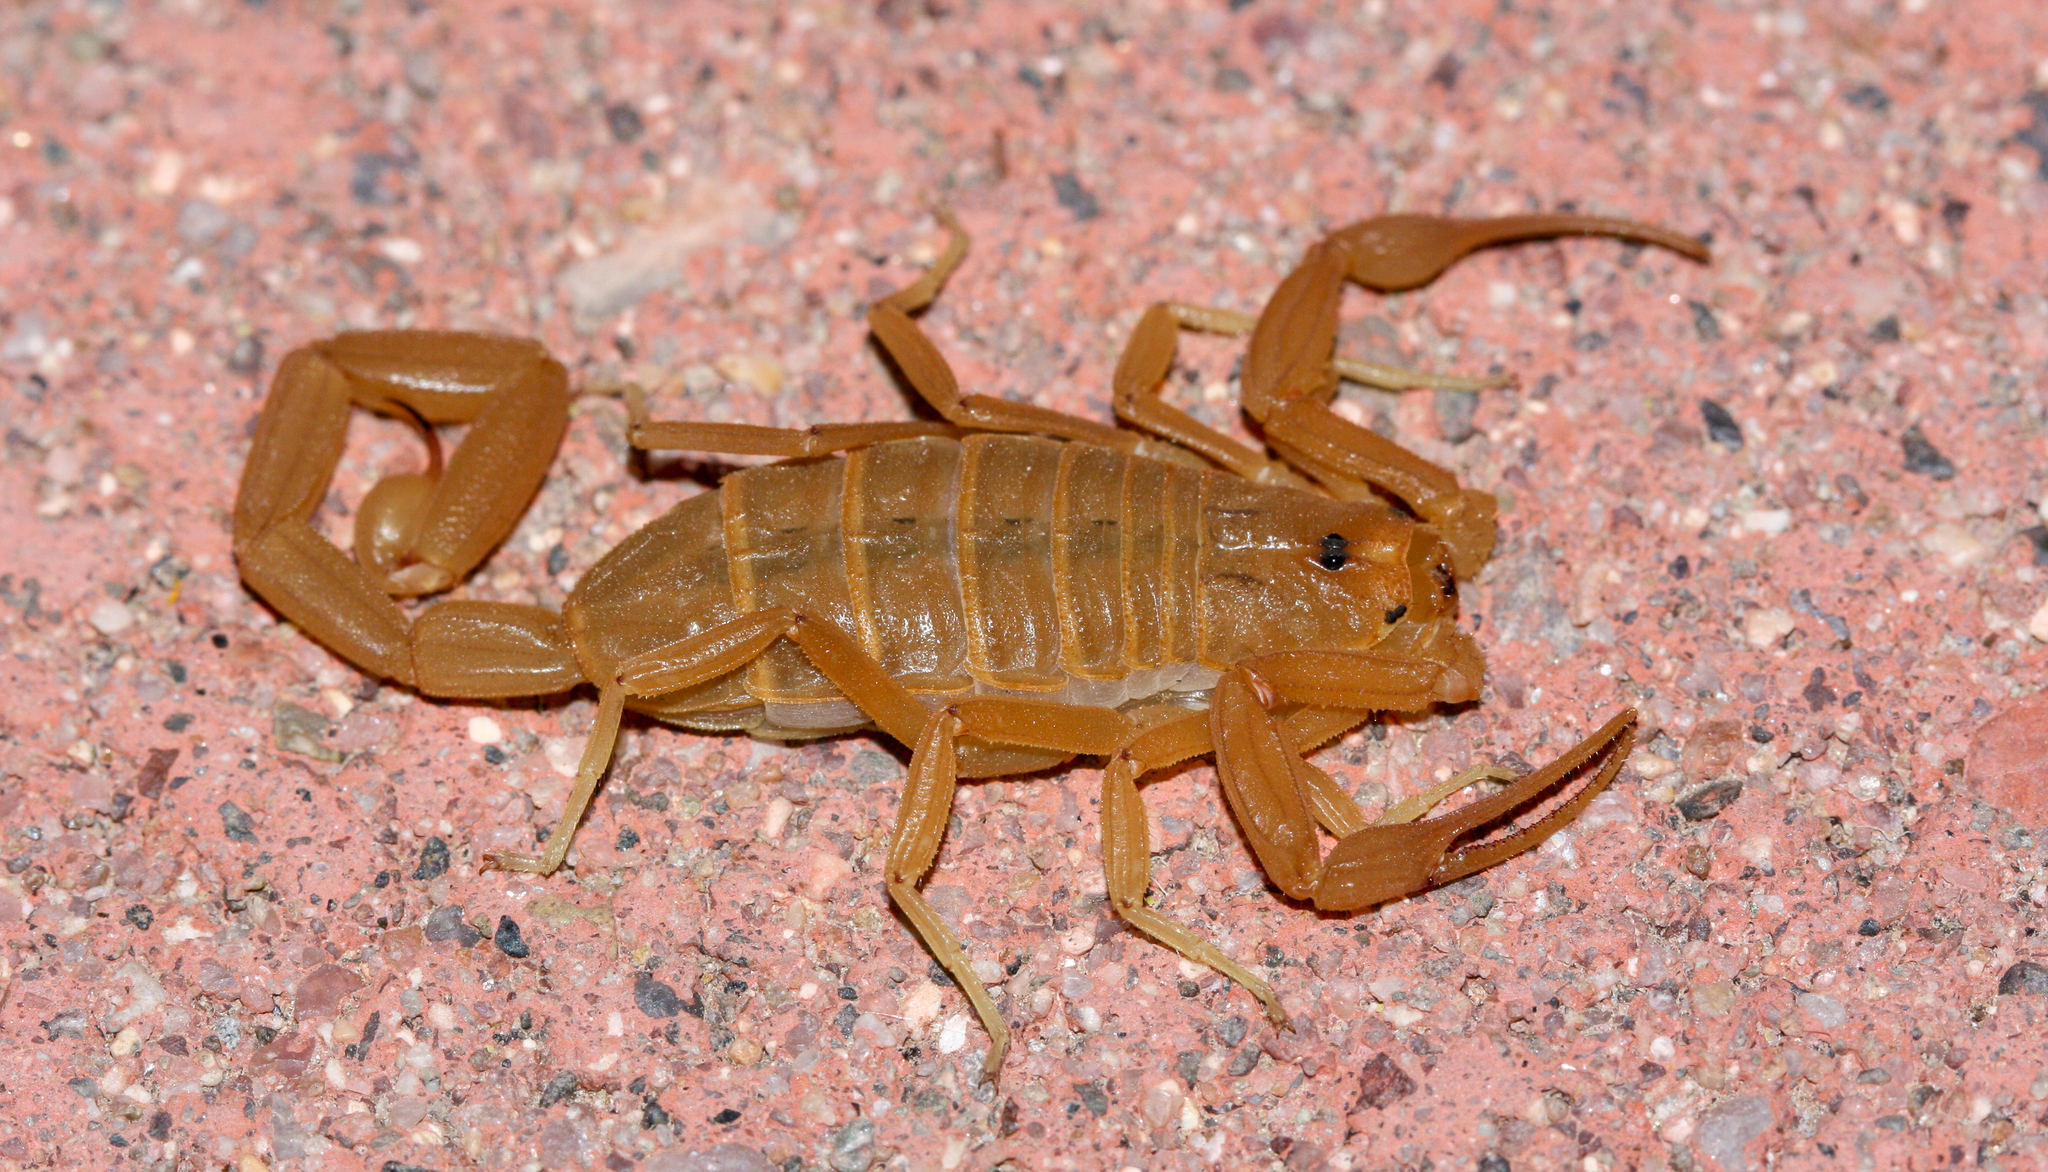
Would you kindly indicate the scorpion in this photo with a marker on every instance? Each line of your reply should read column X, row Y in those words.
column 1002, row 590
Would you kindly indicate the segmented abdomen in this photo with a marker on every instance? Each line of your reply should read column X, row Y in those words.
column 997, row 563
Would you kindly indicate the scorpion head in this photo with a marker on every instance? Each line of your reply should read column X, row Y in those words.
column 1288, row 571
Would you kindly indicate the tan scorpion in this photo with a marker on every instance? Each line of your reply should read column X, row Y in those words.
column 1003, row 591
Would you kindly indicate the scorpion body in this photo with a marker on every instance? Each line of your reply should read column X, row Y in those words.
column 1015, row 566
column 1003, row 591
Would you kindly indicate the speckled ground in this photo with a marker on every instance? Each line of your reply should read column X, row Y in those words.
column 1790, row 504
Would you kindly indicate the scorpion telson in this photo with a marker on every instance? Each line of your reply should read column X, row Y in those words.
column 1002, row 591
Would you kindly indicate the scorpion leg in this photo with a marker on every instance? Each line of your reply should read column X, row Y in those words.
column 928, row 801
column 1126, row 831
column 746, row 439
column 708, row 655
column 1127, row 849
column 1264, row 782
column 1289, row 379
column 1148, row 357
column 597, row 757
column 1288, row 384
column 932, row 376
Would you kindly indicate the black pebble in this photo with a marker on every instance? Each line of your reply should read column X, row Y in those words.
column 1868, row 97
column 508, row 939
column 2039, row 536
column 433, row 860
column 628, row 838
column 1885, row 329
column 652, row 1115
column 2024, row 977
column 247, row 355
column 1721, row 426
column 1710, row 799
column 728, row 1116
column 1869, row 927
column 655, row 998
column 140, row 916
column 623, row 121
column 1704, row 323
column 1923, row 457
column 559, row 1087
column 446, row 923
column 1077, row 199
column 235, row 821
column 1231, row 1030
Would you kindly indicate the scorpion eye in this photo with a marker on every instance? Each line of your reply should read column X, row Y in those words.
column 1333, row 555
column 1445, row 580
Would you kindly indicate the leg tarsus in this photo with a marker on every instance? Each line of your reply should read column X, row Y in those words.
column 1127, row 865
column 597, row 757
column 913, row 848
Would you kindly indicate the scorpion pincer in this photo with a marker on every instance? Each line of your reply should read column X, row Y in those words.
column 1002, row 591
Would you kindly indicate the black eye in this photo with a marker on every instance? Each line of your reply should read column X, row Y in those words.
column 1445, row 580
column 1333, row 555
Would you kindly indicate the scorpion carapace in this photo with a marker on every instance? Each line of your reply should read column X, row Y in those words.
column 1002, row 591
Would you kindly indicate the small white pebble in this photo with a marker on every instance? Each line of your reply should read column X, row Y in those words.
column 183, row 931
column 338, row 702
column 1767, row 521
column 2038, row 625
column 953, row 1034
column 125, row 1043
column 921, row 1007
column 1767, row 627
column 564, row 753
column 775, row 818
column 1078, row 941
column 1401, row 1016
column 401, row 249
column 1954, row 545
column 110, row 617
column 484, row 731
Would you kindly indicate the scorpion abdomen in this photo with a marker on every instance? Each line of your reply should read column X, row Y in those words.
column 993, row 564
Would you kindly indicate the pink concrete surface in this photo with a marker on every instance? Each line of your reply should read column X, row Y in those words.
column 241, row 920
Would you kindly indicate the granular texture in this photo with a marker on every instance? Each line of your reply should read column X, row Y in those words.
column 1788, row 504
